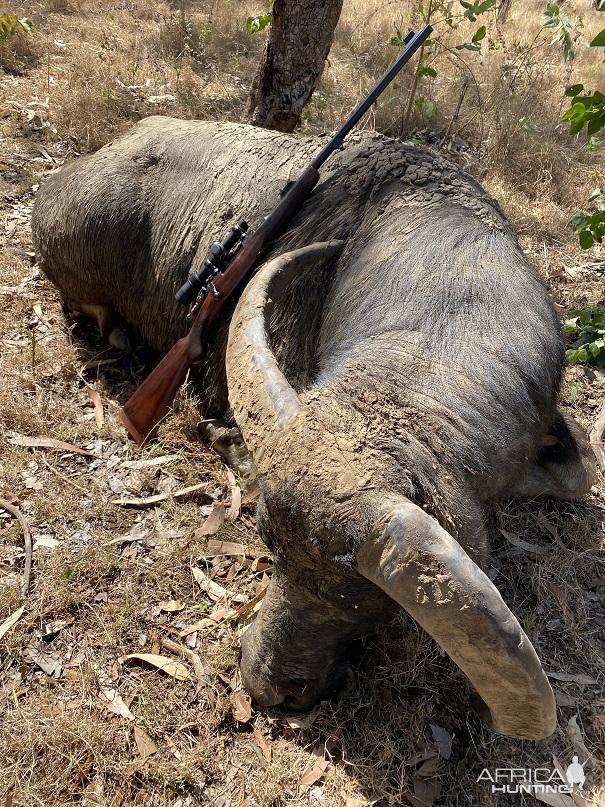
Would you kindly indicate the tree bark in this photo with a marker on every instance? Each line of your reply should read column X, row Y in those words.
column 300, row 37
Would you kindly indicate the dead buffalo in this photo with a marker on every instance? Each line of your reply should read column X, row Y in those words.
column 388, row 393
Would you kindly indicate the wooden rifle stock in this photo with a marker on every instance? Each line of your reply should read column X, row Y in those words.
column 149, row 404
column 143, row 412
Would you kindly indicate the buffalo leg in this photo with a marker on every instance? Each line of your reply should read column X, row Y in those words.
column 104, row 317
column 228, row 442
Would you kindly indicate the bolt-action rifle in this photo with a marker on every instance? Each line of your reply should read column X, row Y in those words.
column 230, row 262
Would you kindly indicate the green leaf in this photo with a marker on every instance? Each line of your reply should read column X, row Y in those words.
column 256, row 24
column 398, row 40
column 430, row 109
column 479, row 34
column 568, row 51
column 573, row 89
column 595, row 194
column 426, row 70
column 586, row 239
column 599, row 40
column 485, row 6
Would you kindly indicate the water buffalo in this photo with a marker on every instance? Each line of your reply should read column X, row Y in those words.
column 389, row 387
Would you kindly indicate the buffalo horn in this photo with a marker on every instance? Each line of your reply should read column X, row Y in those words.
column 420, row 566
column 264, row 404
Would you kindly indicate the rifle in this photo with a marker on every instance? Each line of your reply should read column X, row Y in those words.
column 230, row 262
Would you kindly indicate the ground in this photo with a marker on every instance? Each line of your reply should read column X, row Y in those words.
column 119, row 680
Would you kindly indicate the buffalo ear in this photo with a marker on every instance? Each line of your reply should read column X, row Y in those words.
column 420, row 566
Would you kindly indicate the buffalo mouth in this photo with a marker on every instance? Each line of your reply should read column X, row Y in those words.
column 271, row 686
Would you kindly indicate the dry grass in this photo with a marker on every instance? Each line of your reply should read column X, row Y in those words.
column 102, row 571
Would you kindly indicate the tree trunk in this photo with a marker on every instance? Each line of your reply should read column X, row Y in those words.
column 300, row 38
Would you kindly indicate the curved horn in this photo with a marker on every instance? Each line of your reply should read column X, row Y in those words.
column 262, row 400
column 420, row 566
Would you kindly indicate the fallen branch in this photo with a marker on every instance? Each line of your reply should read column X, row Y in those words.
column 27, row 538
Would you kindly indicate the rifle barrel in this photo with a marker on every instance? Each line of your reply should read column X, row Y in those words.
column 413, row 43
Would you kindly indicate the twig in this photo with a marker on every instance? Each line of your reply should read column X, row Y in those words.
column 193, row 657
column 63, row 478
column 27, row 538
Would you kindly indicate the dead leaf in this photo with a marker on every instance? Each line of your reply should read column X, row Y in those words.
column 577, row 678
column 137, row 465
column 217, row 548
column 264, row 746
column 11, row 621
column 563, row 699
column 173, row 749
column 46, row 541
column 575, row 735
column 40, row 316
column 210, row 621
column 48, row 442
column 214, row 590
column 166, row 665
column 430, row 767
column 525, row 545
column 171, row 606
column 236, row 497
column 32, row 483
column 314, row 772
column 64, row 706
column 250, row 495
column 113, row 702
column 241, row 706
column 93, row 795
column 442, row 740
column 426, row 791
column 549, row 527
column 251, row 605
column 303, row 721
column 420, row 756
column 160, row 497
column 350, row 802
column 97, row 404
column 145, row 744
column 559, row 595
column 212, row 524
column 47, row 662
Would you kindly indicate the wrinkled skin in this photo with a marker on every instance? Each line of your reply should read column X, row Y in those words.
column 426, row 359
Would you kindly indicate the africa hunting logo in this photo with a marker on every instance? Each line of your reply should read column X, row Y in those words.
column 536, row 780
